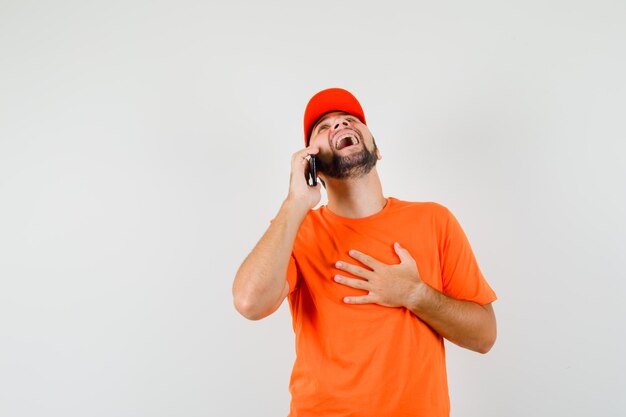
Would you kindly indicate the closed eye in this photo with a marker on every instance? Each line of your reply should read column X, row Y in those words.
column 321, row 127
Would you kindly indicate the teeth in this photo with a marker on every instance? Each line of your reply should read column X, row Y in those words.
column 352, row 139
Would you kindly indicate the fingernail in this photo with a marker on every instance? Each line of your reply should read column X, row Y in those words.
column 339, row 264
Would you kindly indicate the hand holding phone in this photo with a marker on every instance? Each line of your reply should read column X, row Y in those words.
column 303, row 168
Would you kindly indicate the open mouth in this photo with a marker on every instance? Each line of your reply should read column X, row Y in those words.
column 345, row 140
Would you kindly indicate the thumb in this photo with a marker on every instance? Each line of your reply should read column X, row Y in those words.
column 403, row 254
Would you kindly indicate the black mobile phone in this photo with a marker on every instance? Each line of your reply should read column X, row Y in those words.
column 312, row 174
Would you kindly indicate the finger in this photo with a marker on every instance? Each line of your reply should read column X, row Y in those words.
column 403, row 254
column 302, row 153
column 352, row 282
column 353, row 269
column 366, row 259
column 301, row 158
column 365, row 299
column 299, row 163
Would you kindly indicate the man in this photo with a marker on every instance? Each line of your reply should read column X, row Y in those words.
column 374, row 283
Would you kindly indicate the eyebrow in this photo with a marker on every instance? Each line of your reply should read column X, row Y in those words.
column 324, row 118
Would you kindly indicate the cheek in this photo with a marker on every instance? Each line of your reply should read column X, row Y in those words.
column 321, row 141
column 366, row 131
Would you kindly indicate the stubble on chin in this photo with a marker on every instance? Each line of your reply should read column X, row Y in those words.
column 349, row 166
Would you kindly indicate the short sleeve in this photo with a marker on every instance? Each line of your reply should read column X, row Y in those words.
column 293, row 274
column 461, row 276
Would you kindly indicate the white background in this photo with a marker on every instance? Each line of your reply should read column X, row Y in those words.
column 145, row 145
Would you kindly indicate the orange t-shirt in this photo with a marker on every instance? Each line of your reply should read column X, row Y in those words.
column 369, row 360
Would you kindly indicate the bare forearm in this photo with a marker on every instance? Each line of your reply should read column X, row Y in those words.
column 464, row 323
column 261, row 278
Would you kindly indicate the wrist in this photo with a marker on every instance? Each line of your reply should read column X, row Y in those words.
column 295, row 205
column 418, row 297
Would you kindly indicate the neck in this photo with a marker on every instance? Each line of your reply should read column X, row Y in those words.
column 355, row 198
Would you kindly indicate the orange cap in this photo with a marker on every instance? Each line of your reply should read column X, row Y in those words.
column 331, row 99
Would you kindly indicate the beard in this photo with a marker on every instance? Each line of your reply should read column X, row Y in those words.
column 350, row 166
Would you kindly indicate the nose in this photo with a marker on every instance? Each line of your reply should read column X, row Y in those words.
column 340, row 124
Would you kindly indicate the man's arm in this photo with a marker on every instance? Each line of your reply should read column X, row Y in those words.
column 260, row 285
column 465, row 323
